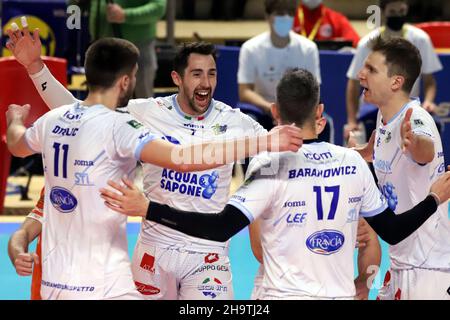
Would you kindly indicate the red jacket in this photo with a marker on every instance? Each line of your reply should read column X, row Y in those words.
column 333, row 25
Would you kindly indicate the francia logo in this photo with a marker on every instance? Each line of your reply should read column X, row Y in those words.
column 63, row 200
column 325, row 242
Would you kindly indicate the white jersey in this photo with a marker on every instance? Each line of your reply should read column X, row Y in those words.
column 309, row 204
column 405, row 183
column 206, row 191
column 263, row 64
column 84, row 244
column 418, row 37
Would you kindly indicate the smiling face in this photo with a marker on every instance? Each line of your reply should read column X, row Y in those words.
column 374, row 78
column 197, row 84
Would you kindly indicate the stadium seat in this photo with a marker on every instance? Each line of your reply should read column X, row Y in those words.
column 19, row 89
column 439, row 32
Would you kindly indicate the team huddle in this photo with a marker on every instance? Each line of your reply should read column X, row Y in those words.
column 307, row 195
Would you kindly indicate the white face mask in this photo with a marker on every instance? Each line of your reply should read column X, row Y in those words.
column 311, row 4
column 282, row 25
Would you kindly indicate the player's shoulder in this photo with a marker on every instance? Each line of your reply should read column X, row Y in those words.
column 150, row 103
column 346, row 154
column 263, row 164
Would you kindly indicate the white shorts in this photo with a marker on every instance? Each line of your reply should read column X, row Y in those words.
column 415, row 284
column 117, row 286
column 172, row 274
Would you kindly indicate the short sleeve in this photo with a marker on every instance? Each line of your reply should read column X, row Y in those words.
column 422, row 124
column 247, row 70
column 251, row 127
column 130, row 137
column 38, row 211
column 373, row 201
column 33, row 135
column 258, row 191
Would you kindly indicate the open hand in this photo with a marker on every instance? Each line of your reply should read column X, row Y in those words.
column 25, row 47
column 129, row 201
column 285, row 138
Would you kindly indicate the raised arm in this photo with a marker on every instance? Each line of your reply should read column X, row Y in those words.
column 213, row 154
column 26, row 48
column 15, row 134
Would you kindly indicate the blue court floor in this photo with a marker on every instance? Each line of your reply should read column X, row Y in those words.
column 244, row 265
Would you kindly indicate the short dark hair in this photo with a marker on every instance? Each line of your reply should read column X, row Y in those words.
column 107, row 59
column 180, row 61
column 297, row 96
column 384, row 3
column 280, row 6
column 402, row 58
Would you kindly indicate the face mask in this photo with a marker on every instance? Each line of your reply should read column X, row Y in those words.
column 282, row 25
column 395, row 23
column 311, row 4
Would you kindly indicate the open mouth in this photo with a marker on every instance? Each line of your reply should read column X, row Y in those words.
column 202, row 96
column 365, row 89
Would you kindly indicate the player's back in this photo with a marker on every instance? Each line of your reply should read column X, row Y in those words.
column 309, row 232
column 84, row 245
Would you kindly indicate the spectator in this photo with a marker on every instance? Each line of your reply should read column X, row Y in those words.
column 318, row 22
column 135, row 21
column 264, row 59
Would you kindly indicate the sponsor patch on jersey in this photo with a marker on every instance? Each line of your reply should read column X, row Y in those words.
column 389, row 193
column 296, row 219
column 191, row 184
column 148, row 263
column 82, row 179
column 63, row 200
column 418, row 122
column 171, row 139
column 211, row 267
column 294, row 204
column 211, row 257
column 212, row 287
column 352, row 215
column 135, row 124
column 219, row 129
column 388, row 137
column 325, row 242
column 146, row 289
column 238, row 198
